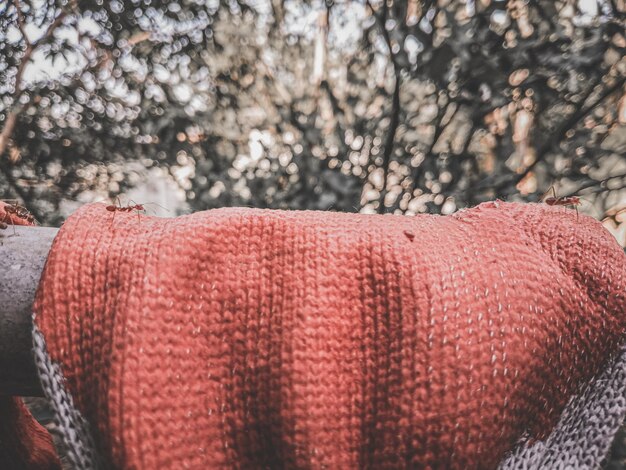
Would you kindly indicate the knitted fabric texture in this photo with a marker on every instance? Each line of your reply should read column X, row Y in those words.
column 264, row 339
column 24, row 443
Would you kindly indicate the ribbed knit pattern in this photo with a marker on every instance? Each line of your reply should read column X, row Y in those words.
column 24, row 443
column 242, row 338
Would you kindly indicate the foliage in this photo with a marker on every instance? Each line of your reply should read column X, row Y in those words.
column 398, row 106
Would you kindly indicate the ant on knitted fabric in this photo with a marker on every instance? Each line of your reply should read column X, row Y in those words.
column 132, row 206
column 568, row 201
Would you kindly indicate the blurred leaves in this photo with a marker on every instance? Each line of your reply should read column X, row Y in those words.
column 402, row 106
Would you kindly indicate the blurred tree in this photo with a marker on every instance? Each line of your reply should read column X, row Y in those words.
column 110, row 83
column 395, row 106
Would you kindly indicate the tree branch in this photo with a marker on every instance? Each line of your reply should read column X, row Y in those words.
column 600, row 184
column 54, row 25
column 395, row 103
column 11, row 119
column 20, row 22
column 391, row 137
column 559, row 133
column 439, row 128
column 12, row 115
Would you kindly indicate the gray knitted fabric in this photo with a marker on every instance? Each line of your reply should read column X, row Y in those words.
column 584, row 434
column 75, row 436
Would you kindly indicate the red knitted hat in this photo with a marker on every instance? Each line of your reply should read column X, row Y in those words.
column 249, row 338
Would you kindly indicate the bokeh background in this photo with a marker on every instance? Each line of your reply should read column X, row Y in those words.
column 393, row 106
column 400, row 106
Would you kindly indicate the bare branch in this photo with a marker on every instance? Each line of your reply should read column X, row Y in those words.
column 20, row 22
column 395, row 102
column 441, row 126
column 599, row 186
column 558, row 135
column 54, row 25
column 11, row 119
column 391, row 137
column 569, row 123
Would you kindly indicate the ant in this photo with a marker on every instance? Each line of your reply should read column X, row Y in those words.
column 139, row 208
column 568, row 201
column 20, row 212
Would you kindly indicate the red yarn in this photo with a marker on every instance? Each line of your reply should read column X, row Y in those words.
column 264, row 339
column 24, row 443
